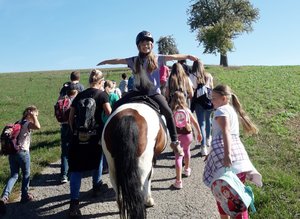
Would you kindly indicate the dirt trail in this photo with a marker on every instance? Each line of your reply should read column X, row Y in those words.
column 193, row 201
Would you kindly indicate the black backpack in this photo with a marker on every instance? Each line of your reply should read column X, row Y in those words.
column 202, row 96
column 85, row 116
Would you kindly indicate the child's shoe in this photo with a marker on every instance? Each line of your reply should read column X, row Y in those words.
column 177, row 148
column 178, row 184
column 28, row 198
column 3, row 202
column 187, row 172
column 64, row 179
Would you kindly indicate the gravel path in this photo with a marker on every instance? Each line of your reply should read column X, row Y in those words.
column 193, row 201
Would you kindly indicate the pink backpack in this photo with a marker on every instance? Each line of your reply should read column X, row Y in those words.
column 182, row 121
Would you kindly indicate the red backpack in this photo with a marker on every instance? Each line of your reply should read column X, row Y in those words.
column 233, row 196
column 9, row 138
column 62, row 109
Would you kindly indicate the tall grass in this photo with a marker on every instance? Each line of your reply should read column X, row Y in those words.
column 270, row 95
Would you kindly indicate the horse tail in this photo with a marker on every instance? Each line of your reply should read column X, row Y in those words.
column 124, row 151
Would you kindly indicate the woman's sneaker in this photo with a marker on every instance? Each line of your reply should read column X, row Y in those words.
column 203, row 150
column 208, row 141
column 187, row 172
column 177, row 184
column 74, row 211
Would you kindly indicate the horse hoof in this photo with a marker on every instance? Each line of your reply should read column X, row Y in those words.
column 149, row 202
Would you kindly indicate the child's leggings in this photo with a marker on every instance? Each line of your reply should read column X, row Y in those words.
column 185, row 142
column 244, row 214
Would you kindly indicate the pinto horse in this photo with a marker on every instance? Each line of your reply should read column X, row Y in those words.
column 132, row 137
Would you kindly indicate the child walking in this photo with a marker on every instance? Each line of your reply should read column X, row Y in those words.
column 200, row 77
column 227, row 148
column 145, row 67
column 21, row 160
column 179, row 102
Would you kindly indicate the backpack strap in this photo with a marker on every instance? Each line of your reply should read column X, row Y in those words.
column 248, row 190
column 21, row 122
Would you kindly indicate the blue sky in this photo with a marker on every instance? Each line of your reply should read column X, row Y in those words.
column 63, row 34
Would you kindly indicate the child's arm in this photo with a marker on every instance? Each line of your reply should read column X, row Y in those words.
column 224, row 123
column 34, row 124
column 180, row 57
column 113, row 62
column 196, row 125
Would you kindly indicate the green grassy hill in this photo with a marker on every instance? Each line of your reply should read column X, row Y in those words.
column 270, row 95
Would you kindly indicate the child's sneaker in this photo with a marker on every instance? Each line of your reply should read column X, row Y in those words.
column 177, row 148
column 187, row 172
column 64, row 179
column 3, row 202
column 28, row 198
column 178, row 184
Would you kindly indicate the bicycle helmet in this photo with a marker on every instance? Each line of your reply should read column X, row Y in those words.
column 144, row 35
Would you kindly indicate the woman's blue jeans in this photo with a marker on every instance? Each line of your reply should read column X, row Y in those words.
column 75, row 180
column 204, row 120
column 20, row 160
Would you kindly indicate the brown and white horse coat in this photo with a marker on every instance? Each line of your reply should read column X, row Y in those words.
column 132, row 137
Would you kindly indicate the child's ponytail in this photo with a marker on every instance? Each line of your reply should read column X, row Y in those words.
column 247, row 124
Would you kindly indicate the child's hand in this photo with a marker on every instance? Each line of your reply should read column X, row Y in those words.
column 227, row 161
column 33, row 114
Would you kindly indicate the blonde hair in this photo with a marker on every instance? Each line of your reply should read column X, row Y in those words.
column 248, row 125
column 178, row 79
column 28, row 110
column 95, row 76
column 109, row 84
column 199, row 71
column 178, row 101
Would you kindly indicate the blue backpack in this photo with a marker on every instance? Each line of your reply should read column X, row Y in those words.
column 233, row 196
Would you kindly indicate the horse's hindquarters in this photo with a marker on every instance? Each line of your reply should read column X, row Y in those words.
column 128, row 141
